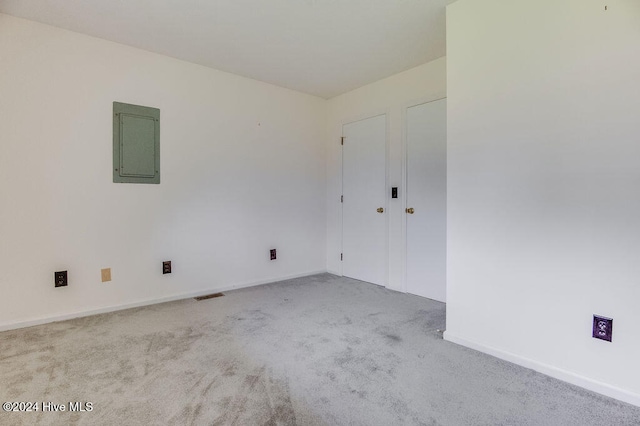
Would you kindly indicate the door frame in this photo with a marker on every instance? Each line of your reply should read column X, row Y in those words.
column 405, row 178
column 355, row 119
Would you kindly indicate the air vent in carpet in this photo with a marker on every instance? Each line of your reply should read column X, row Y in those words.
column 209, row 296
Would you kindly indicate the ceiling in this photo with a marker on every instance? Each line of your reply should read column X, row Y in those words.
column 321, row 47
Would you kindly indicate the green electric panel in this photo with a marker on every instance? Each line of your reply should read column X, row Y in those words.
column 136, row 144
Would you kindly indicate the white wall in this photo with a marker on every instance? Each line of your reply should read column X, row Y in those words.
column 391, row 96
column 544, row 185
column 242, row 170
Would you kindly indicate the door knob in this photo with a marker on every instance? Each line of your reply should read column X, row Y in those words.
column 410, row 210
column 380, row 210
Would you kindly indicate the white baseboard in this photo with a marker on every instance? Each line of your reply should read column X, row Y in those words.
column 171, row 298
column 549, row 370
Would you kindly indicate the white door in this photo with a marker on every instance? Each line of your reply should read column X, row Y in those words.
column 363, row 208
column 427, row 200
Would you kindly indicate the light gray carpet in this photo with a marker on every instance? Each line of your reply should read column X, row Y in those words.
column 316, row 350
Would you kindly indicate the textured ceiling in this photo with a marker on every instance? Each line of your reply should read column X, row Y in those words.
column 321, row 47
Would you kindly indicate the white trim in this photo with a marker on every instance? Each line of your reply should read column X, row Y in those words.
column 549, row 370
column 425, row 100
column 403, row 193
column 376, row 112
column 342, row 198
column 180, row 296
column 387, row 196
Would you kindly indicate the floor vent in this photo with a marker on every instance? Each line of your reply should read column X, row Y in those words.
column 209, row 296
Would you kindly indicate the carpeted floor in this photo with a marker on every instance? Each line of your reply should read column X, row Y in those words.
column 316, row 350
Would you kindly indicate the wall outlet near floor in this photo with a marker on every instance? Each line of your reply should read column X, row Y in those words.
column 602, row 328
column 273, row 254
column 106, row 274
column 166, row 267
column 60, row 278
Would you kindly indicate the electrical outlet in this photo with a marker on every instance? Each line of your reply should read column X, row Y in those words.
column 106, row 274
column 602, row 328
column 166, row 267
column 273, row 254
column 60, row 278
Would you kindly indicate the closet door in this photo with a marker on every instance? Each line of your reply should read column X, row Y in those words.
column 426, row 208
column 363, row 209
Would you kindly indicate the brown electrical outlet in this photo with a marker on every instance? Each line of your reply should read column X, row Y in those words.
column 106, row 274
column 60, row 278
column 602, row 328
